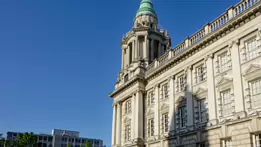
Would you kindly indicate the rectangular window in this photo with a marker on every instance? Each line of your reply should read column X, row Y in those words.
column 226, row 142
column 200, row 74
column 255, row 87
column 165, row 122
column 151, row 127
column 202, row 110
column 181, row 83
column 226, row 103
column 150, row 98
column 40, row 138
column 223, row 62
column 128, row 106
column 165, row 91
column 127, row 133
column 257, row 140
column 251, row 49
column 182, row 116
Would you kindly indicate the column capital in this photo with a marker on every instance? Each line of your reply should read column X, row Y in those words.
column 156, row 86
column 171, row 78
column 139, row 91
column 188, row 68
column 117, row 103
column 234, row 42
column 209, row 56
column 133, row 93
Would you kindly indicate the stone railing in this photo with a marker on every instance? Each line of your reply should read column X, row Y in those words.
column 219, row 22
column 243, row 6
column 151, row 67
column 211, row 27
column 162, row 59
column 179, row 49
column 197, row 36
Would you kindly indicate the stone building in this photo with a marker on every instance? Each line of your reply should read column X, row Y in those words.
column 204, row 92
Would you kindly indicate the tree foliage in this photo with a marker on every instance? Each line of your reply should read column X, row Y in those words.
column 88, row 144
column 27, row 140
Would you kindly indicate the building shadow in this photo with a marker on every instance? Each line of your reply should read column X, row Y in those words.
column 189, row 130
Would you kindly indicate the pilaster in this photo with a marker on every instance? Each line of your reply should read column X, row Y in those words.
column 211, row 90
column 139, row 115
column 237, row 81
column 133, row 106
column 189, row 96
column 118, row 129
column 171, row 104
column 114, row 125
column 156, row 117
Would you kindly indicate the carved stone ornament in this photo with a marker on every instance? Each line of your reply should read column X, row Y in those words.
column 234, row 42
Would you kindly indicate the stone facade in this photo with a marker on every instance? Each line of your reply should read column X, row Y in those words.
column 204, row 92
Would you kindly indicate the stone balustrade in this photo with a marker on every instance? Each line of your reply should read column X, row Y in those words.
column 219, row 22
column 163, row 58
column 231, row 13
column 151, row 67
column 197, row 36
column 179, row 49
column 243, row 6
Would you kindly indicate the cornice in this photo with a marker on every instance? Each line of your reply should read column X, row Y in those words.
column 209, row 39
column 122, row 88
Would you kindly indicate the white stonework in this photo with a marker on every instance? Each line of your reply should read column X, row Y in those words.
column 204, row 92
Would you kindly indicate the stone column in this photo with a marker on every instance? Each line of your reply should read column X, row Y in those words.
column 189, row 104
column 159, row 50
column 118, row 127
column 156, row 114
column 122, row 58
column 139, row 115
column 137, row 51
column 113, row 125
column 133, row 50
column 145, row 49
column 171, row 104
column 127, row 57
column 152, row 50
column 211, row 90
column 133, row 106
column 237, row 81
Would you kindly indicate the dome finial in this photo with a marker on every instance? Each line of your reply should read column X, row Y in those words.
column 146, row 7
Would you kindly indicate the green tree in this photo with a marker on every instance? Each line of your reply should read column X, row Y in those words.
column 69, row 145
column 27, row 140
column 88, row 144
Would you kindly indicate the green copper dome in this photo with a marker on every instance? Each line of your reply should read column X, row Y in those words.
column 146, row 7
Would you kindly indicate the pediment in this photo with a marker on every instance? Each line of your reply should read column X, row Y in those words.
column 181, row 99
column 150, row 112
column 252, row 68
column 164, row 106
column 200, row 90
column 224, row 80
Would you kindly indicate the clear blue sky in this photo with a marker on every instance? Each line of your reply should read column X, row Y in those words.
column 59, row 59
